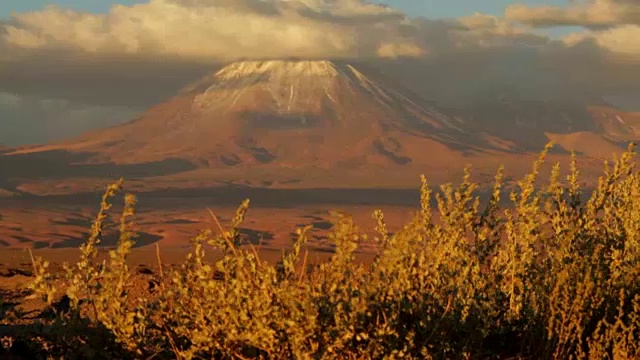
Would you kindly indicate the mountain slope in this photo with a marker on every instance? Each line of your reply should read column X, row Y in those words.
column 617, row 124
column 520, row 125
column 293, row 113
column 330, row 115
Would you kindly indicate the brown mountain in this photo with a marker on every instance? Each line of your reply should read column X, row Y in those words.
column 289, row 113
column 291, row 120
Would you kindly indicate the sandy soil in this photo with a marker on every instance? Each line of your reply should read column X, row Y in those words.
column 53, row 232
column 65, row 227
column 57, row 212
column 53, row 229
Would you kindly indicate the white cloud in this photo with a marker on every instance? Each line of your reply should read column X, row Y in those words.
column 582, row 13
column 217, row 29
column 623, row 42
column 224, row 30
column 614, row 25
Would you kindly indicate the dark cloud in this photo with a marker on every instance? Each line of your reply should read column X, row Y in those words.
column 52, row 119
column 103, row 81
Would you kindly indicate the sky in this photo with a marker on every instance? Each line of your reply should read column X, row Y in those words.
column 80, row 64
column 428, row 8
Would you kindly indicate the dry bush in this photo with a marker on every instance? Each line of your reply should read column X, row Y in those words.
column 553, row 275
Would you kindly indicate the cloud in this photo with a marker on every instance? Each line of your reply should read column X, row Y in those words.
column 622, row 42
column 39, row 120
column 592, row 13
column 98, row 80
column 140, row 55
column 613, row 25
column 218, row 29
column 223, row 30
column 487, row 32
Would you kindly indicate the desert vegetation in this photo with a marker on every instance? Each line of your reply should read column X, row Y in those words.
column 553, row 275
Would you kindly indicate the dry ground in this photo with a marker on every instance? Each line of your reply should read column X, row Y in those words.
column 54, row 228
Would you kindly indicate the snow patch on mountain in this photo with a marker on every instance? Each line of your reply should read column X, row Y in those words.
column 292, row 86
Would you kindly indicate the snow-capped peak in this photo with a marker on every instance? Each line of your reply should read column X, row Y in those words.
column 286, row 87
column 278, row 68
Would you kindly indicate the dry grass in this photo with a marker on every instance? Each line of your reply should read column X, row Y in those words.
column 552, row 276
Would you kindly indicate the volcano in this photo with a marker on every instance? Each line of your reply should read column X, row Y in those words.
column 300, row 114
column 290, row 113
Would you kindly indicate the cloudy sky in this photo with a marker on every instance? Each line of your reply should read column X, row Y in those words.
column 71, row 65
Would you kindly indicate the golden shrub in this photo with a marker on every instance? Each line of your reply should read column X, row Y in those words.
column 553, row 274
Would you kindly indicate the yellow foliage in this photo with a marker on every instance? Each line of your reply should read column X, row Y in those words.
column 553, row 274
